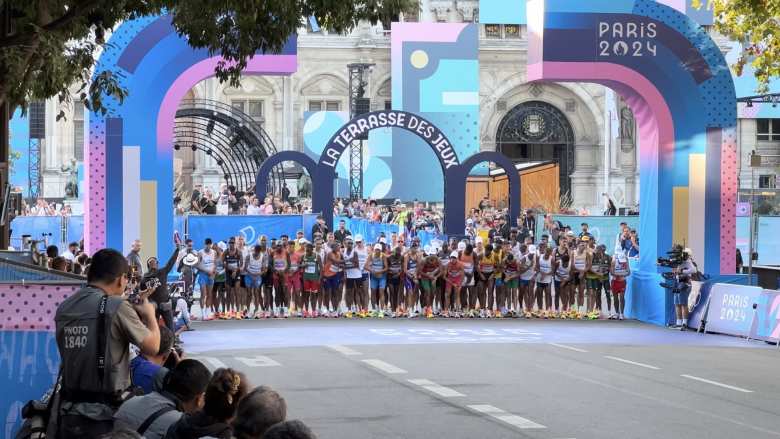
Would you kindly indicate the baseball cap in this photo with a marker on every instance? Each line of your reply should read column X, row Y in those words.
column 569, row 233
column 454, row 254
column 302, row 241
column 358, row 238
column 377, row 246
column 585, row 238
column 469, row 221
column 382, row 240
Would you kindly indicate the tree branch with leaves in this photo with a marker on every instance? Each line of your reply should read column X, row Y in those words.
column 755, row 24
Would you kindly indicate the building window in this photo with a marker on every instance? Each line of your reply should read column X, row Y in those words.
column 253, row 108
column 493, row 30
column 324, row 105
column 78, row 130
column 511, row 31
column 388, row 105
column 768, row 129
column 767, row 181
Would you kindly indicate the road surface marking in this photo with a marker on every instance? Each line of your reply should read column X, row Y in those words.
column 343, row 350
column 509, row 418
column 384, row 367
column 715, row 383
column 215, row 362
column 571, row 348
column 258, row 361
column 623, row 360
column 436, row 388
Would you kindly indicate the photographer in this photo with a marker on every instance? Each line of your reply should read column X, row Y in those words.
column 161, row 296
column 679, row 281
column 94, row 329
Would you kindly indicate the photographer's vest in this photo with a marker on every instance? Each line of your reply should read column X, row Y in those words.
column 83, row 325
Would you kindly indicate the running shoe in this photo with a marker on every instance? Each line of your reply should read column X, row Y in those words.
column 348, row 314
column 621, row 317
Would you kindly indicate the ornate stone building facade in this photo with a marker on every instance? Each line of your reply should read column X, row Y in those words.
column 582, row 126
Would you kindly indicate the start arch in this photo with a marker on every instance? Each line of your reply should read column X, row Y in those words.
column 325, row 173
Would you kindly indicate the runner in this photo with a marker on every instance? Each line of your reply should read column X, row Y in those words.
column 361, row 294
column 582, row 262
column 620, row 271
column 453, row 281
column 395, row 289
column 312, row 269
column 268, row 277
column 511, row 275
column 428, row 275
column 333, row 267
column 438, row 294
column 498, row 275
column 377, row 267
column 294, row 280
column 486, row 267
column 220, row 302
column 598, row 279
column 232, row 262
column 562, row 280
column 354, row 276
column 280, row 260
column 469, row 298
column 526, row 284
column 411, row 281
column 242, row 291
column 206, row 272
column 545, row 267
column 255, row 266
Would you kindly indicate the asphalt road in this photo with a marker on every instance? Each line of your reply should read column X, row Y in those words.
column 503, row 378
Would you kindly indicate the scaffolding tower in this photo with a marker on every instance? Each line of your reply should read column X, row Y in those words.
column 358, row 104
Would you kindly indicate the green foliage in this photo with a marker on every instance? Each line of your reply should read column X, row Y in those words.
column 756, row 24
column 52, row 44
column 13, row 156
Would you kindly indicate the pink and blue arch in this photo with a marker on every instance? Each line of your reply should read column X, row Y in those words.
column 130, row 152
column 678, row 84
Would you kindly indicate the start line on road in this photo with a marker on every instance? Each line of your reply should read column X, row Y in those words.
column 448, row 335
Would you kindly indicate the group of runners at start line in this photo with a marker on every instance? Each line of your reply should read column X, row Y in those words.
column 297, row 278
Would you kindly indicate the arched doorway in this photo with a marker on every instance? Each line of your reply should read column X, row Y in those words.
column 537, row 131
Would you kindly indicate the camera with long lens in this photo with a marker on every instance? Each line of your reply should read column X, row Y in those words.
column 673, row 280
column 674, row 257
column 147, row 284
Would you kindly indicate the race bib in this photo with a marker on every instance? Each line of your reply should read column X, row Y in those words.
column 311, row 269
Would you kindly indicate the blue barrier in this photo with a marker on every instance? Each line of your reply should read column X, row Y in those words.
column 36, row 226
column 604, row 228
column 75, row 230
column 29, row 361
column 220, row 228
column 371, row 231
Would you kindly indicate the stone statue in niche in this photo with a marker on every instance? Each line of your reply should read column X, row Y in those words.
column 72, row 182
column 626, row 124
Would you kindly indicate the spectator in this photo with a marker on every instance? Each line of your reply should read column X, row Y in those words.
column 319, row 227
column 342, row 232
column 225, row 390
column 182, row 315
column 183, row 392
column 740, row 263
column 610, row 208
column 285, row 192
column 134, row 259
column 86, row 389
column 59, row 263
column 208, row 206
column 161, row 296
column 147, row 371
column 585, row 231
column 257, row 412
column 72, row 251
column 254, row 208
column 294, row 429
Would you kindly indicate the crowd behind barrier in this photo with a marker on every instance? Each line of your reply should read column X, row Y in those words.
column 62, row 230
